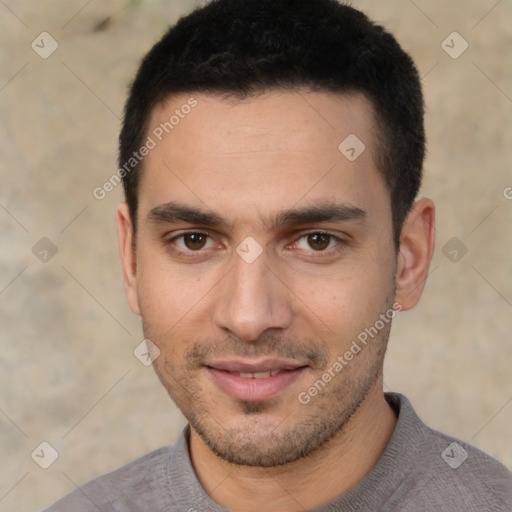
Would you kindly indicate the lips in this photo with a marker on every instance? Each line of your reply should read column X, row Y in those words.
column 255, row 380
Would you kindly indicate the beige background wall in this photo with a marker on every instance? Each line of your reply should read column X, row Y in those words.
column 67, row 372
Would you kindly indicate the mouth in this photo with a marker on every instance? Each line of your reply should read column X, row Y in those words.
column 255, row 381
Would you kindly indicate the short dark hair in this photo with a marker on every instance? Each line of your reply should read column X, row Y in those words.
column 245, row 47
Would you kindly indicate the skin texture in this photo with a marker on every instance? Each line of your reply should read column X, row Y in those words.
column 304, row 299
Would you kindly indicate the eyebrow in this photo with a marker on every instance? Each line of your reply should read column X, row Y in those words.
column 317, row 214
column 173, row 212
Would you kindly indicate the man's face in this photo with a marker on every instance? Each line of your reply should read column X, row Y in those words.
column 262, row 248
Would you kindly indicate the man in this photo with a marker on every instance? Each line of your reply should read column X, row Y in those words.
column 271, row 154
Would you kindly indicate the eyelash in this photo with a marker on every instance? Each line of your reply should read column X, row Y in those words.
column 316, row 254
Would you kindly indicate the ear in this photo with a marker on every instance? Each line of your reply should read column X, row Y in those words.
column 128, row 256
column 415, row 252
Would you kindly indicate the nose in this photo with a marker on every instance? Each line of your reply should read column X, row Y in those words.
column 251, row 299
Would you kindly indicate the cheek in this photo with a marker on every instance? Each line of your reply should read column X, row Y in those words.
column 344, row 304
column 168, row 295
column 343, row 308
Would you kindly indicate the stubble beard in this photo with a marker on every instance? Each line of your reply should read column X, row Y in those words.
column 272, row 443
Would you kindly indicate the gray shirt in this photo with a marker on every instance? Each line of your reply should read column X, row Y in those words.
column 420, row 470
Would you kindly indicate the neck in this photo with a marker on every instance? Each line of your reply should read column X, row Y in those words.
column 306, row 483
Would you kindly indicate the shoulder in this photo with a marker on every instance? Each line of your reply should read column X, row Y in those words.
column 468, row 475
column 452, row 473
column 141, row 479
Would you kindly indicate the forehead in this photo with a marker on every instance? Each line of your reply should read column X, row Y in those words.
column 262, row 153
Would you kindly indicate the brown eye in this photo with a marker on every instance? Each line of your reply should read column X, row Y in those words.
column 194, row 241
column 318, row 241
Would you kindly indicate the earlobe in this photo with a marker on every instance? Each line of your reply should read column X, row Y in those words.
column 128, row 256
column 415, row 253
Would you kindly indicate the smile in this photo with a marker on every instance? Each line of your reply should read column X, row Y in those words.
column 254, row 381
